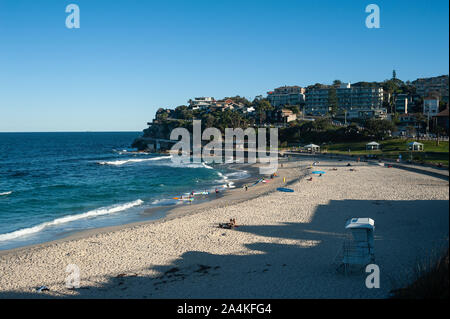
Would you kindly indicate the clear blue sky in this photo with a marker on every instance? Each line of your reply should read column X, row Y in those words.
column 131, row 57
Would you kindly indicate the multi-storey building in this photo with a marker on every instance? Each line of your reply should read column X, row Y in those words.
column 439, row 84
column 348, row 98
column 201, row 102
column 286, row 95
column 430, row 106
column 317, row 101
column 401, row 103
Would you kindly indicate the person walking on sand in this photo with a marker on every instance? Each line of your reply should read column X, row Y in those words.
column 246, row 187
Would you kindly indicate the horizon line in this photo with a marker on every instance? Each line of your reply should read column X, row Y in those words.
column 84, row 131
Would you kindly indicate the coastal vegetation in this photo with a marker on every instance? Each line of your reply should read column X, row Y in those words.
column 431, row 281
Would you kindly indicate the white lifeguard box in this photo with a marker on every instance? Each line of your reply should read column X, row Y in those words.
column 358, row 247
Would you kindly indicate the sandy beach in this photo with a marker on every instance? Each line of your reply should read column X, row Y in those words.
column 284, row 246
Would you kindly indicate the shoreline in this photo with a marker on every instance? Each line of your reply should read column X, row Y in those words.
column 145, row 215
column 173, row 211
column 284, row 247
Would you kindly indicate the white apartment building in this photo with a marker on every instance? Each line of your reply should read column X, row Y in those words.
column 430, row 106
column 286, row 95
column 201, row 102
column 349, row 97
column 401, row 103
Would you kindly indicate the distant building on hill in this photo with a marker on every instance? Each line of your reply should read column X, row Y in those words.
column 366, row 113
column 431, row 105
column 282, row 116
column 348, row 98
column 201, row 103
column 210, row 104
column 425, row 86
column 441, row 119
column 286, row 95
column 401, row 103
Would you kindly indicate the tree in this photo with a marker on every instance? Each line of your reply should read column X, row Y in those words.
column 261, row 107
column 294, row 108
column 337, row 83
column 316, row 86
column 332, row 101
column 379, row 129
column 161, row 114
column 207, row 120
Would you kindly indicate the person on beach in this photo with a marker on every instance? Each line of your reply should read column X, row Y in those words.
column 230, row 225
column 217, row 191
column 246, row 187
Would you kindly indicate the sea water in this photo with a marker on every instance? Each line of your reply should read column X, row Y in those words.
column 54, row 184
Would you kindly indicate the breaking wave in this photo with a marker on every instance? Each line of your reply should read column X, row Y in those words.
column 70, row 218
column 134, row 160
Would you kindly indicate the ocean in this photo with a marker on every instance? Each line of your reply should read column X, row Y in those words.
column 55, row 184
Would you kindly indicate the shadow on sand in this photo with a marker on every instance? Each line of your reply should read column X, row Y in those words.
column 291, row 260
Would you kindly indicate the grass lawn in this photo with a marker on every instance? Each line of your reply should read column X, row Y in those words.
column 432, row 154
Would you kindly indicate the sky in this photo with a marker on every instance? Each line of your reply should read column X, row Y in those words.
column 130, row 57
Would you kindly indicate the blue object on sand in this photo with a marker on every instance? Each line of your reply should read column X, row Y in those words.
column 257, row 182
column 286, row 190
column 318, row 172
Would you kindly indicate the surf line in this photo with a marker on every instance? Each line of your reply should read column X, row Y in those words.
column 235, row 150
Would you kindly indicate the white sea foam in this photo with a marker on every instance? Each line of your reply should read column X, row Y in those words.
column 207, row 166
column 6, row 193
column 134, row 160
column 164, row 201
column 226, row 180
column 185, row 165
column 238, row 175
column 70, row 218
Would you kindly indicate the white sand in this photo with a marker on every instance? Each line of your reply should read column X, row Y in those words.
column 284, row 247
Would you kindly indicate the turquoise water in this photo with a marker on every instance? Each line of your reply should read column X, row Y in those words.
column 53, row 184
